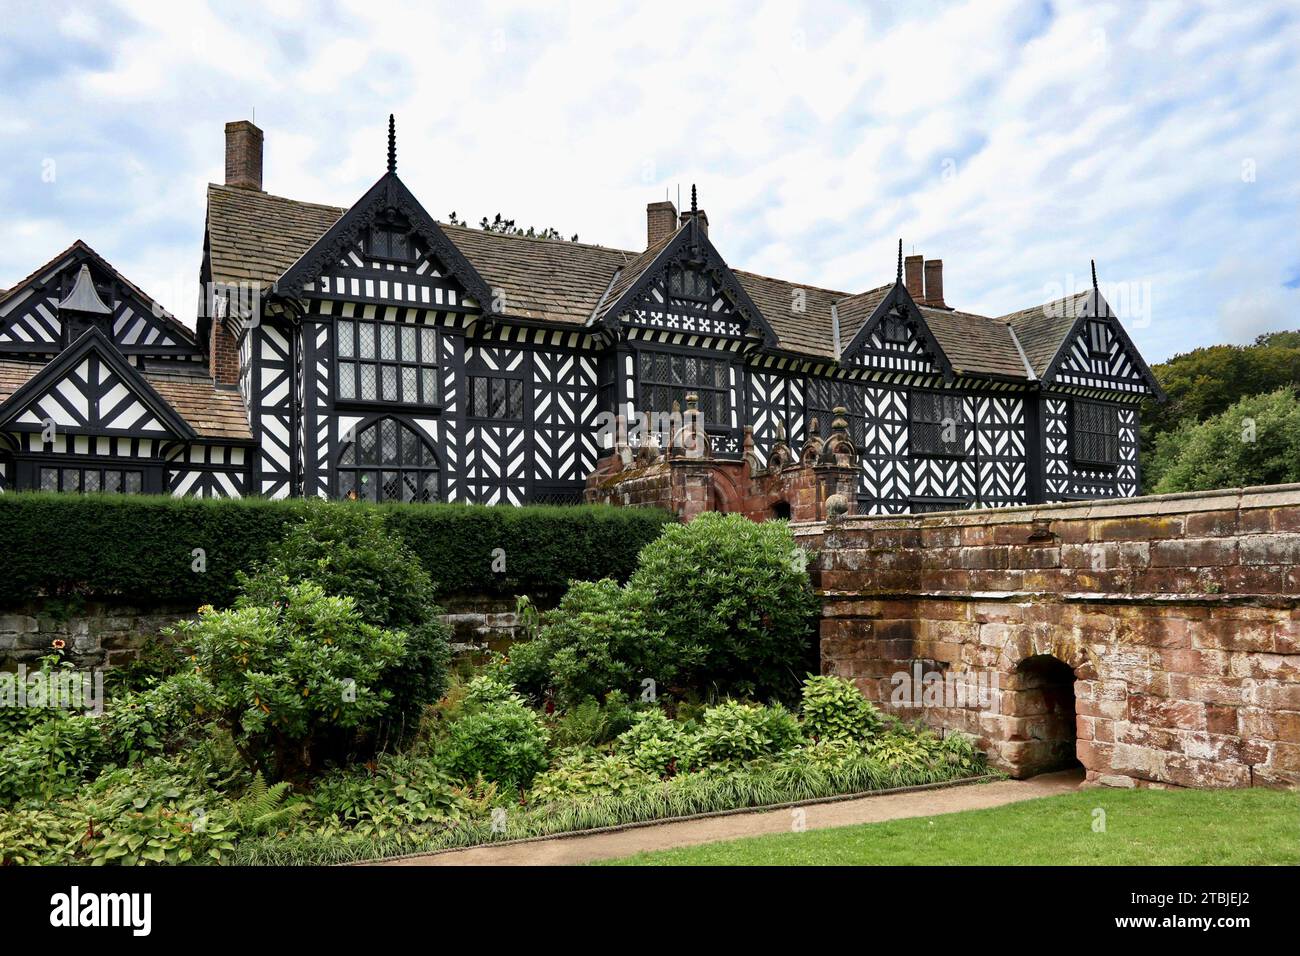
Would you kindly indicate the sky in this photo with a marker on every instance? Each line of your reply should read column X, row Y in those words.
column 1016, row 141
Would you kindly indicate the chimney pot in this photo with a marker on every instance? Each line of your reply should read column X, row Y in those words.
column 243, row 155
column 934, row 283
column 660, row 221
column 912, row 278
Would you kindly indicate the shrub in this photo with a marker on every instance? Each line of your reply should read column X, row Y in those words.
column 833, row 709
column 395, row 791
column 735, row 601
column 286, row 681
column 502, row 742
column 1255, row 442
column 153, row 540
column 735, row 732
column 654, row 743
column 51, row 759
column 349, row 552
column 596, row 641
column 582, row 774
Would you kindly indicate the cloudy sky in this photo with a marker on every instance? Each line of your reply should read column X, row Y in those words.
column 1013, row 140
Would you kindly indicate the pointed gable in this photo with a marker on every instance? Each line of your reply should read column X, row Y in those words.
column 52, row 306
column 682, row 284
column 1079, row 342
column 386, row 248
column 91, row 389
column 894, row 336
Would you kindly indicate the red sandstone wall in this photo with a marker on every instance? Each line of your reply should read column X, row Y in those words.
column 1177, row 614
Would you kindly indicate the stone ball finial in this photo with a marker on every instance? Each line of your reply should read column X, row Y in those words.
column 840, row 422
column 836, row 505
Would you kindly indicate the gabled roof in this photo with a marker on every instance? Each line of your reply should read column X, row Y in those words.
column 1043, row 329
column 254, row 236
column 388, row 192
column 93, row 341
column 646, row 267
column 79, row 251
column 894, row 296
column 547, row 280
column 213, row 413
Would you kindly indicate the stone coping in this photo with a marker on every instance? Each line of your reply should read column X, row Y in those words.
column 1260, row 496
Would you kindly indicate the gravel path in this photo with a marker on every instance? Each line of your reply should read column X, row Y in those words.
column 664, row 836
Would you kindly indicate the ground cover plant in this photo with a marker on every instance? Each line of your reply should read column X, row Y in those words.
column 316, row 718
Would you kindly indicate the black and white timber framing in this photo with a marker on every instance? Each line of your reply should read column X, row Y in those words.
column 389, row 357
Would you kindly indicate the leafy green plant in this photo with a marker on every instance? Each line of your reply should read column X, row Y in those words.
column 394, row 793
column 287, row 680
column 735, row 732
column 264, row 808
column 735, row 602
column 596, row 641
column 349, row 552
column 502, row 741
column 580, row 774
column 834, row 709
column 654, row 743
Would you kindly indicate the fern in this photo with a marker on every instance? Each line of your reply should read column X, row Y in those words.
column 263, row 808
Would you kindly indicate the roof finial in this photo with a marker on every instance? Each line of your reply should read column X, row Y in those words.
column 392, row 144
column 1094, row 275
column 694, row 206
column 898, row 278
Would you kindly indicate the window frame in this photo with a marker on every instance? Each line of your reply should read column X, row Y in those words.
column 890, row 322
column 963, row 425
column 356, row 362
column 1093, row 325
column 1110, row 437
column 679, row 270
column 413, row 253
column 26, row 472
column 644, row 383
column 357, row 469
column 509, row 379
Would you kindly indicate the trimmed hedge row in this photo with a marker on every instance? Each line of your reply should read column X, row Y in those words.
column 142, row 548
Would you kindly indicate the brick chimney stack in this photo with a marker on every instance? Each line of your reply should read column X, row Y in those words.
column 912, row 278
column 934, row 284
column 700, row 214
column 243, row 155
column 660, row 221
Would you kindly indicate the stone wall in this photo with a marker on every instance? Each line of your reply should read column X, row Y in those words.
column 687, row 480
column 1175, row 619
column 105, row 634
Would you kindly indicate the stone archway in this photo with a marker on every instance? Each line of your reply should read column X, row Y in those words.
column 1039, row 700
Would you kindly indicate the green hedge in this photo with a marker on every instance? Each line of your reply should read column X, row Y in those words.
column 140, row 548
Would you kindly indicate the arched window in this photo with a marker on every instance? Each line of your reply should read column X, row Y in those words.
column 388, row 461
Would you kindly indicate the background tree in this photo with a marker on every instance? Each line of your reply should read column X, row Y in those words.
column 1206, row 382
column 1254, row 442
column 507, row 227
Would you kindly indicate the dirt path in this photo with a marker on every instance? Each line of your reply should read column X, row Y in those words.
column 664, row 836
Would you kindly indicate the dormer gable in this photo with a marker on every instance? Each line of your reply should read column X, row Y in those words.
column 681, row 283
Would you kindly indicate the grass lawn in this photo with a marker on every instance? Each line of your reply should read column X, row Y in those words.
column 1142, row 827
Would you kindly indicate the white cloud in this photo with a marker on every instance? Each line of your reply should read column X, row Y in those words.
column 818, row 134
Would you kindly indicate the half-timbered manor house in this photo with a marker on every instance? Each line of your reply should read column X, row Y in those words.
column 373, row 352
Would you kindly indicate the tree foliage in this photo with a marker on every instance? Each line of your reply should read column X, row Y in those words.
column 1254, row 442
column 1206, row 382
